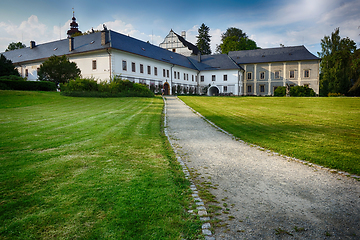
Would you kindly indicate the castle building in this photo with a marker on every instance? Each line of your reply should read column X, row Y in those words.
column 176, row 65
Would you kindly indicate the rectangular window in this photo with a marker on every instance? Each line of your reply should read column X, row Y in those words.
column 306, row 85
column 164, row 73
column 124, row 67
column 155, row 71
column 306, row 73
column 213, row 78
column 141, row 68
column 262, row 88
column 262, row 75
column 184, row 76
column 249, row 76
column 277, row 74
column 148, row 69
column 202, row 79
column 249, row 88
column 178, row 75
column 26, row 72
column 225, row 77
column 167, row 73
column 192, row 78
column 292, row 74
column 94, row 65
column 174, row 74
column 225, row 88
column 187, row 77
column 133, row 68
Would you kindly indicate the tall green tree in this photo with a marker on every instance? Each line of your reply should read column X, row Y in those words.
column 6, row 67
column 13, row 46
column 234, row 39
column 355, row 73
column 203, row 40
column 58, row 69
column 335, row 67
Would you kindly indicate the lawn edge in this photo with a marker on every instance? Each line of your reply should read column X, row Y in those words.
column 206, row 226
column 304, row 162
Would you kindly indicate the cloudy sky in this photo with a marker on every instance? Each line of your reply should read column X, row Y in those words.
column 268, row 22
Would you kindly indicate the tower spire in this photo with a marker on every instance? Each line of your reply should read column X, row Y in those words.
column 73, row 26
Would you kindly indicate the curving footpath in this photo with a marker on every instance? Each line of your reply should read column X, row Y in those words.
column 262, row 195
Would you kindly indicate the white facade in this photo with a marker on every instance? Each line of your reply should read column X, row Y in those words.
column 99, row 58
column 262, row 79
column 172, row 43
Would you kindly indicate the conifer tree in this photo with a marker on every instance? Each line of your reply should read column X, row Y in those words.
column 203, row 42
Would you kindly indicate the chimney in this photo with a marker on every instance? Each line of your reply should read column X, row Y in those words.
column 71, row 44
column 104, row 37
column 32, row 44
column 183, row 34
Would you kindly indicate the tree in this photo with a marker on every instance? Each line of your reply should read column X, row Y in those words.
column 6, row 67
column 203, row 42
column 335, row 67
column 13, row 46
column 235, row 39
column 58, row 70
column 355, row 73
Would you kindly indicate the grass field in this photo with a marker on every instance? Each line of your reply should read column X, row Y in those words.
column 88, row 168
column 324, row 131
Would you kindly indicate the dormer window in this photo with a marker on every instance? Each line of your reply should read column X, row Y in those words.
column 55, row 49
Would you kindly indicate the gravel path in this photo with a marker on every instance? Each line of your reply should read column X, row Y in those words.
column 266, row 196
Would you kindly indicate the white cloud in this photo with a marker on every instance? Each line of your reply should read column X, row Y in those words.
column 128, row 29
column 26, row 31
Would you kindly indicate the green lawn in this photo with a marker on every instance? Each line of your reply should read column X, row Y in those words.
column 324, row 131
column 88, row 168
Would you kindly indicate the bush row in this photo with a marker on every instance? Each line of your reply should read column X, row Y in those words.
column 88, row 87
column 27, row 85
column 296, row 91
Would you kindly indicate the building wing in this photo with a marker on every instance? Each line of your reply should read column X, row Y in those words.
column 266, row 55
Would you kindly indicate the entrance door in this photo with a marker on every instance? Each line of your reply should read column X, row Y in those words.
column 213, row 91
column 166, row 88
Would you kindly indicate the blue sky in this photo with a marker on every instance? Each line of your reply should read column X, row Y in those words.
column 269, row 23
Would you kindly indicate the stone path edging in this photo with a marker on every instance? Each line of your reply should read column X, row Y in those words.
column 272, row 152
column 199, row 202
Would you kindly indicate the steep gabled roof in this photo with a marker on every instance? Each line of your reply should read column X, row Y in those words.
column 280, row 54
column 214, row 62
column 85, row 43
column 187, row 44
column 135, row 46
column 92, row 42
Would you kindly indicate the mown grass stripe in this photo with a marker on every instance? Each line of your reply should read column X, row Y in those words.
column 320, row 130
column 89, row 168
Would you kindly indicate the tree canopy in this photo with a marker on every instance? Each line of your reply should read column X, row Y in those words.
column 58, row 69
column 339, row 67
column 203, row 40
column 6, row 67
column 13, row 46
column 235, row 39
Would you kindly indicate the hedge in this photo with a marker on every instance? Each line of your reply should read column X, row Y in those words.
column 27, row 85
column 117, row 87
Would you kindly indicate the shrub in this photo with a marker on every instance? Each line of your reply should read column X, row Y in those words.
column 27, row 85
column 301, row 91
column 280, row 91
column 80, row 84
column 114, row 88
column 13, row 78
column 334, row 94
